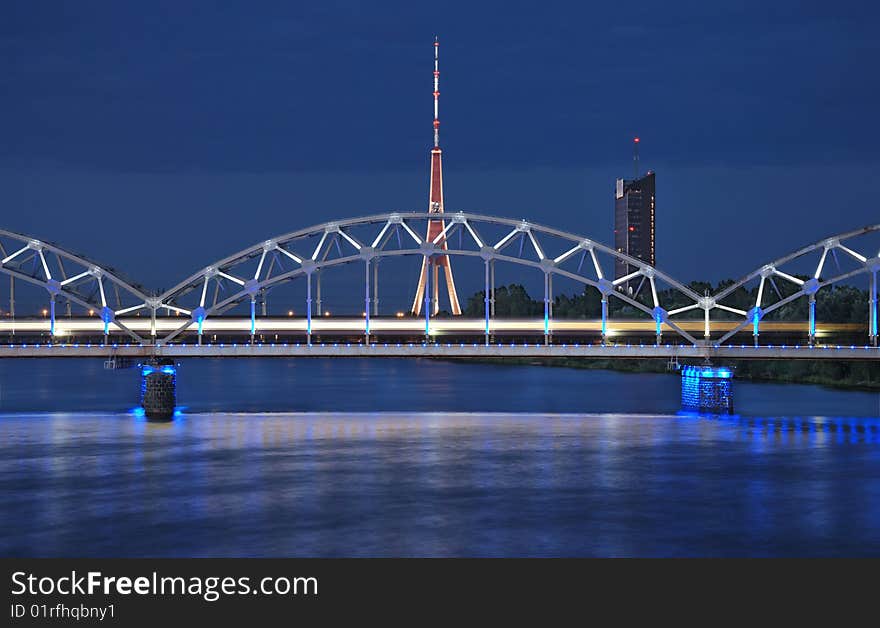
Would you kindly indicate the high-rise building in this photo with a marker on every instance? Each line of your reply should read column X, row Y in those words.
column 634, row 224
column 431, row 268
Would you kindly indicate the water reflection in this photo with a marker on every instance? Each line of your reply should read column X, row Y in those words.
column 433, row 484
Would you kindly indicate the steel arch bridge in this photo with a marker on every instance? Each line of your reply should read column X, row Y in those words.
column 74, row 278
column 250, row 273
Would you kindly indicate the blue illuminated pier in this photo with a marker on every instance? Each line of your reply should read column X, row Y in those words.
column 707, row 389
column 159, row 389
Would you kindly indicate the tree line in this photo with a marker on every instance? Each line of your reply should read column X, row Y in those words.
column 835, row 303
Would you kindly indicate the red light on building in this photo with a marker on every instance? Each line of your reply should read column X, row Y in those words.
column 636, row 140
column 632, row 228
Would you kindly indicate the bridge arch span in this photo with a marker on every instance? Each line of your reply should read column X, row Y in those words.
column 826, row 250
column 552, row 251
column 70, row 278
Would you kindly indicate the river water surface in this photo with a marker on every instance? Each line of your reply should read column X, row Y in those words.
column 372, row 457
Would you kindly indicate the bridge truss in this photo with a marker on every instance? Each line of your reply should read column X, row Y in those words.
column 248, row 275
column 69, row 279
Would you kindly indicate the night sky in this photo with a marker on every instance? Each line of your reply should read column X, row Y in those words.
column 157, row 137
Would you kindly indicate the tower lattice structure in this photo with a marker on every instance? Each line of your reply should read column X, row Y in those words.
column 434, row 263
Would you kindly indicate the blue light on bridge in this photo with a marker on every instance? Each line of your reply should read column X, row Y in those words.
column 812, row 317
column 165, row 370
column 707, row 388
column 706, row 372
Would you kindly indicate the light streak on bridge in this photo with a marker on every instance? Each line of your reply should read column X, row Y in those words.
column 343, row 326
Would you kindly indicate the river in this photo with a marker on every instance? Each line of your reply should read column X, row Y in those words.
column 372, row 457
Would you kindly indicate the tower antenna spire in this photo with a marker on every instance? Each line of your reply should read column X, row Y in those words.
column 436, row 91
column 635, row 158
column 433, row 263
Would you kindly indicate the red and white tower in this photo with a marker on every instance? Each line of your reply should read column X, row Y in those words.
column 436, row 227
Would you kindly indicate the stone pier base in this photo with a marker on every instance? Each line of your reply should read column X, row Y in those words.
column 707, row 389
column 159, row 389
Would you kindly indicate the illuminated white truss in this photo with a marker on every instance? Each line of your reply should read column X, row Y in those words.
column 407, row 227
column 306, row 252
column 829, row 251
column 69, row 279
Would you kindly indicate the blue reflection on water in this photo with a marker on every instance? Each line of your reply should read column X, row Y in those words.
column 569, row 463
column 439, row 484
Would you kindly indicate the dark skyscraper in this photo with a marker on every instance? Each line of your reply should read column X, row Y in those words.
column 634, row 222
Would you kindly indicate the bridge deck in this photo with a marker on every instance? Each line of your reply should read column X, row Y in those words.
column 405, row 325
column 445, row 350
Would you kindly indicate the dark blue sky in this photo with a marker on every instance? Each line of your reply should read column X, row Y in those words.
column 208, row 126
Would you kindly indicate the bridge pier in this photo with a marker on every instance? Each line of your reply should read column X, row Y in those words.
column 707, row 389
column 159, row 389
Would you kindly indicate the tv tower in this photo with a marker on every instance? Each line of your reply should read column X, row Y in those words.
column 436, row 227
